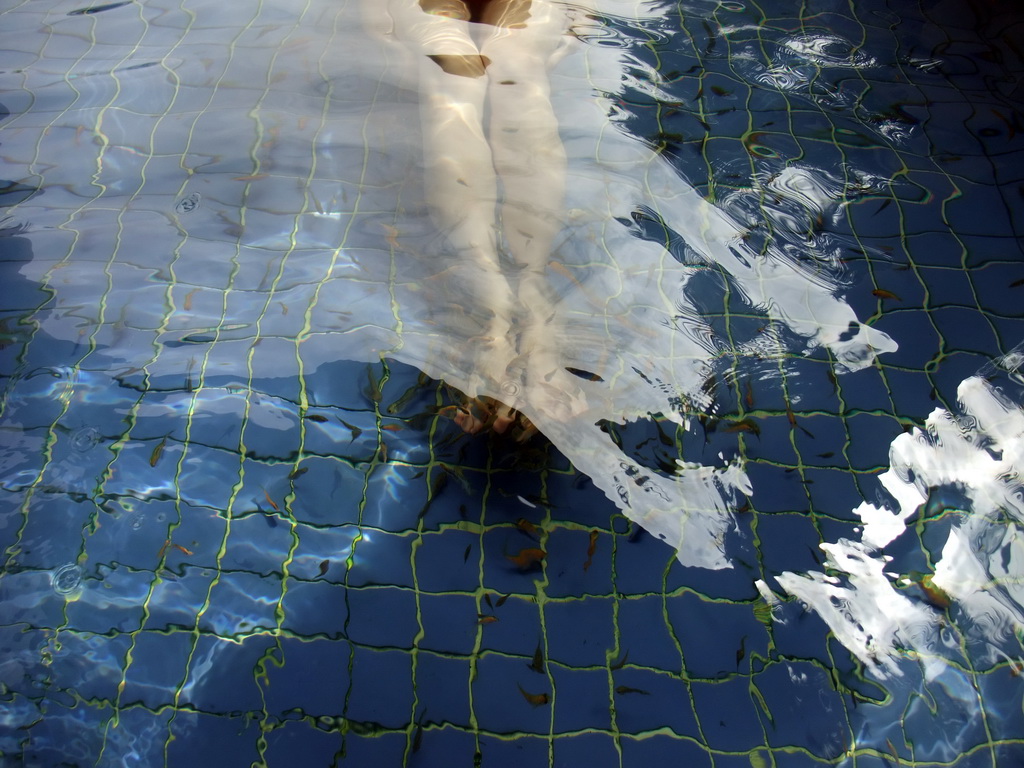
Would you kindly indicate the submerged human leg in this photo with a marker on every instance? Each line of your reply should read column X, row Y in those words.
column 460, row 181
column 531, row 163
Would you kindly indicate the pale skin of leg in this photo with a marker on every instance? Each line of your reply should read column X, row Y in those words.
column 527, row 151
column 502, row 65
column 531, row 164
column 461, row 183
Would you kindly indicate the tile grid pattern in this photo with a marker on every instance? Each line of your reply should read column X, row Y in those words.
column 224, row 572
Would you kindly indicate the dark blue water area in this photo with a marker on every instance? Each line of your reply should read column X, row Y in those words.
column 207, row 568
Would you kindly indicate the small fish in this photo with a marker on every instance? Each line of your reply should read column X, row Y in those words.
column 534, row 699
column 296, row 474
column 376, row 388
column 712, row 38
column 163, row 548
column 188, row 299
column 356, row 431
column 790, row 416
column 101, row 8
column 585, row 375
column 501, row 601
column 710, row 386
column 392, row 427
column 317, row 418
column 436, row 487
column 275, row 132
column 1017, row 283
column 562, row 270
column 884, row 294
column 591, row 549
column 183, row 549
column 935, row 594
column 316, row 202
column 391, row 235
column 627, row 689
column 892, row 749
column 270, row 501
column 744, row 425
column 486, row 619
column 465, row 555
column 527, row 558
column 323, row 567
column 665, row 439
column 741, row 651
column 487, row 599
column 410, row 394
column 620, row 663
column 793, row 423
column 826, row 455
column 157, row 453
column 528, row 528
column 417, row 739
column 749, row 395
column 814, row 554
column 537, row 665
column 253, row 177
column 1011, row 128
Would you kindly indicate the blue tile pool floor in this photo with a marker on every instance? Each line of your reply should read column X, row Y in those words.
column 234, row 534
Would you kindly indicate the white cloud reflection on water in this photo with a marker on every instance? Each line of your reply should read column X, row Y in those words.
column 965, row 471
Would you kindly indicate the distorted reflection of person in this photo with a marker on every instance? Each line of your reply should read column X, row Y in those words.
column 495, row 173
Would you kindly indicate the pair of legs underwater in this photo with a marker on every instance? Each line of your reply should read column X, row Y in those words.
column 495, row 178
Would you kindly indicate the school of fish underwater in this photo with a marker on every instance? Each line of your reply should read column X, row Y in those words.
column 605, row 383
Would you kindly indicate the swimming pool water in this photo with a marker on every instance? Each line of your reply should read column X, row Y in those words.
column 240, row 526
